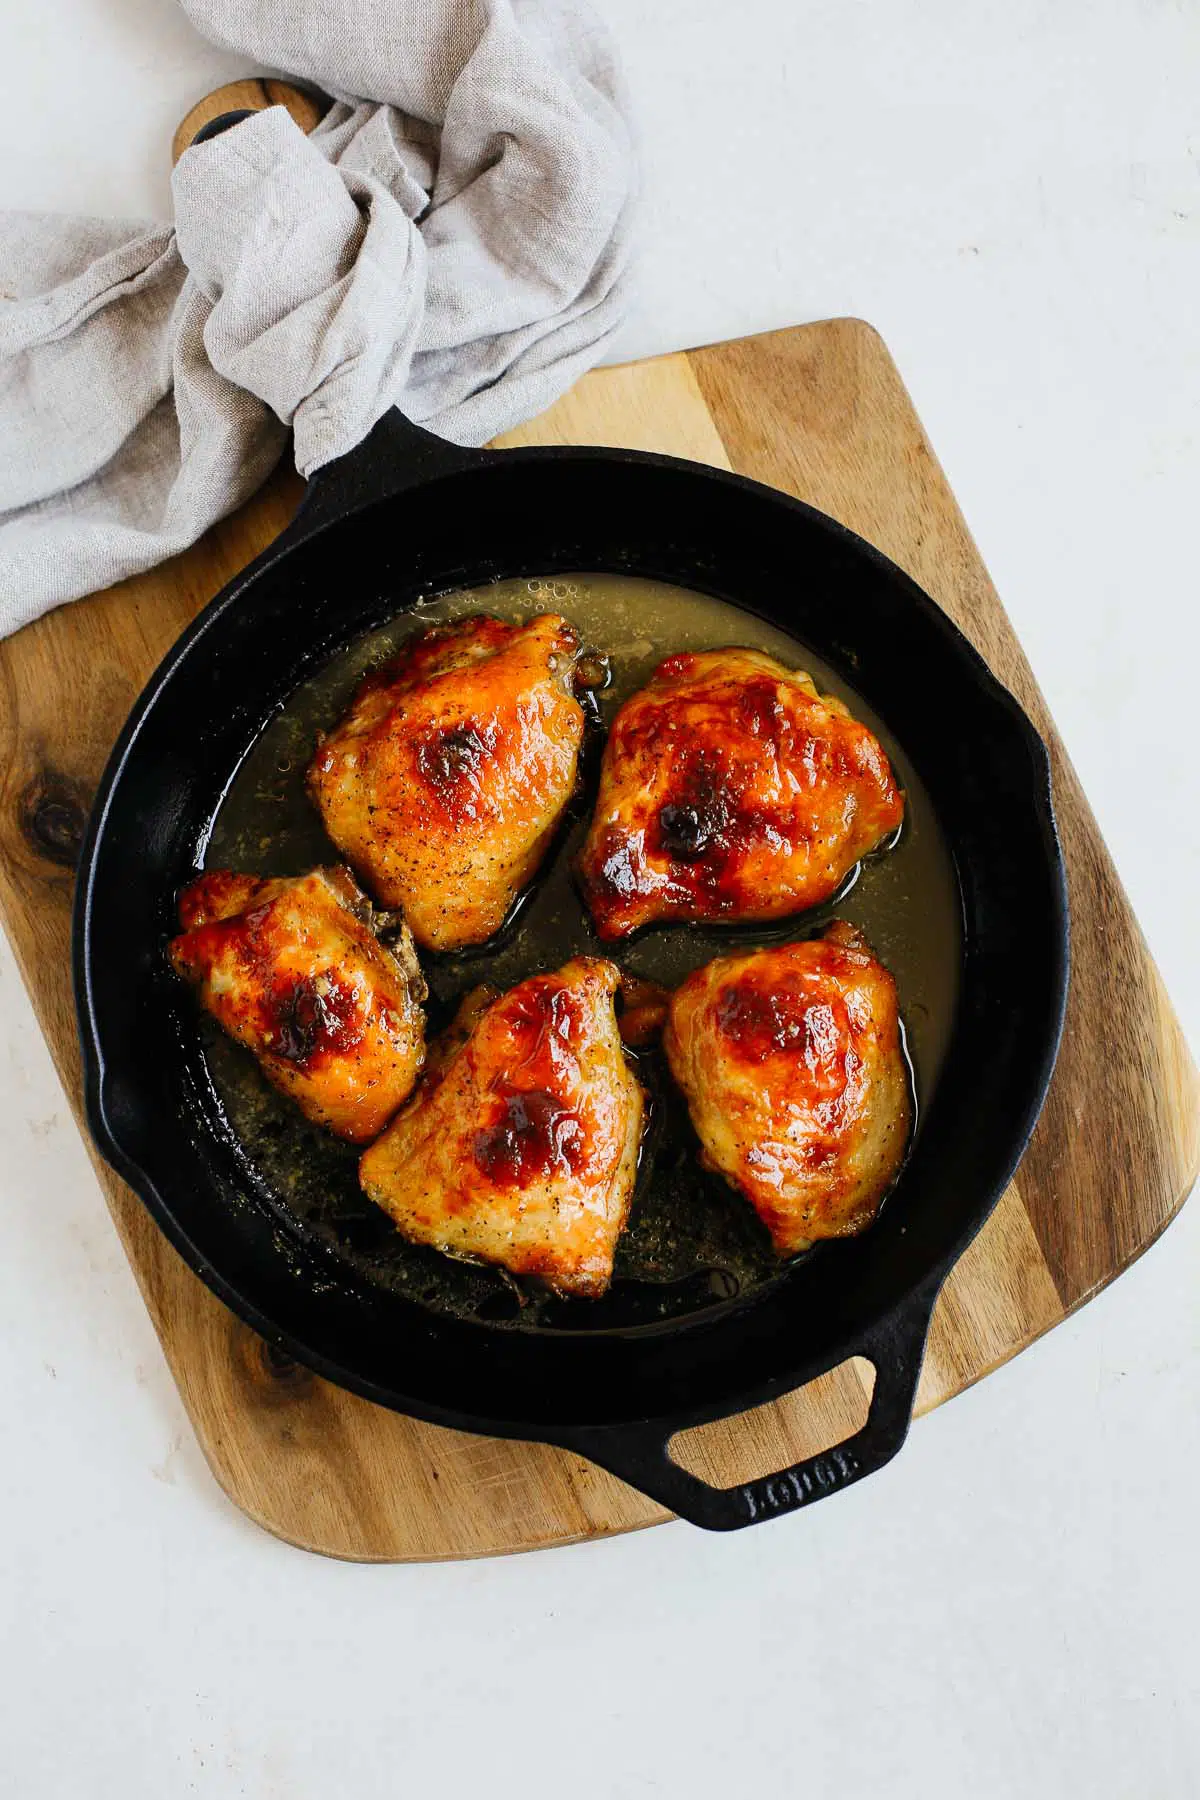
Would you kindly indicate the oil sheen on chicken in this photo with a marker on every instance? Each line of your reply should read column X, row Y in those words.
column 731, row 790
column 293, row 970
column 521, row 1146
column 791, row 1063
column 444, row 782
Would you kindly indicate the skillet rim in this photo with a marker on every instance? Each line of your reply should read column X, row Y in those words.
column 313, row 521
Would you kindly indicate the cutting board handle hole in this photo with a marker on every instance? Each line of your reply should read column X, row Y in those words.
column 752, row 1444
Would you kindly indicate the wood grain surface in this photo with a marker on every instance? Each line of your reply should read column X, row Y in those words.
column 821, row 412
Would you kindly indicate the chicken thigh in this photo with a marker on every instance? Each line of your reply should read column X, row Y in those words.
column 731, row 790
column 791, row 1063
column 293, row 970
column 521, row 1146
column 444, row 782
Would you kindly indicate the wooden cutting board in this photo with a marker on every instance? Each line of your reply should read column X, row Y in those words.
column 819, row 411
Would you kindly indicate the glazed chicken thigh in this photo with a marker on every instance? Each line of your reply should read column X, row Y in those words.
column 293, row 970
column 445, row 780
column 730, row 790
column 791, row 1064
column 521, row 1145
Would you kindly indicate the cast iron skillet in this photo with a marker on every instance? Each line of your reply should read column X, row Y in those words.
column 406, row 515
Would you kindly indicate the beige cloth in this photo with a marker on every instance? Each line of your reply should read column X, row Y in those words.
column 453, row 239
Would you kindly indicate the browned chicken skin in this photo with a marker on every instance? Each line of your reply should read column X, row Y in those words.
column 731, row 790
column 521, row 1146
column 791, row 1063
column 444, row 782
column 293, row 970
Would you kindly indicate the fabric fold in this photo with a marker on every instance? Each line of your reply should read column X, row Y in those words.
column 454, row 238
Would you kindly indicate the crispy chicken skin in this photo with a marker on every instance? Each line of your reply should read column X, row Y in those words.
column 445, row 780
column 293, row 970
column 521, row 1146
column 731, row 790
column 791, row 1064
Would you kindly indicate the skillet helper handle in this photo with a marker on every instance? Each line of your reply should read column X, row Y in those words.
column 639, row 1454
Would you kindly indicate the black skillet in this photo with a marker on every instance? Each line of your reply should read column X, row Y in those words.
column 407, row 515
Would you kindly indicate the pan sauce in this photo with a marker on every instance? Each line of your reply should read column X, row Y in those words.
column 691, row 1242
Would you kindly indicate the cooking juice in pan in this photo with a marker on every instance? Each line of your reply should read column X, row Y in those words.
column 691, row 1242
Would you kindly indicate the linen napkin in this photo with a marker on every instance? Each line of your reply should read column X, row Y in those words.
column 454, row 239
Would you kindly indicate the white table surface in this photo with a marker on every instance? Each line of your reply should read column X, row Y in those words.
column 1012, row 195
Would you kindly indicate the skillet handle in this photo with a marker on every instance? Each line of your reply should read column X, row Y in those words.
column 394, row 455
column 639, row 1454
